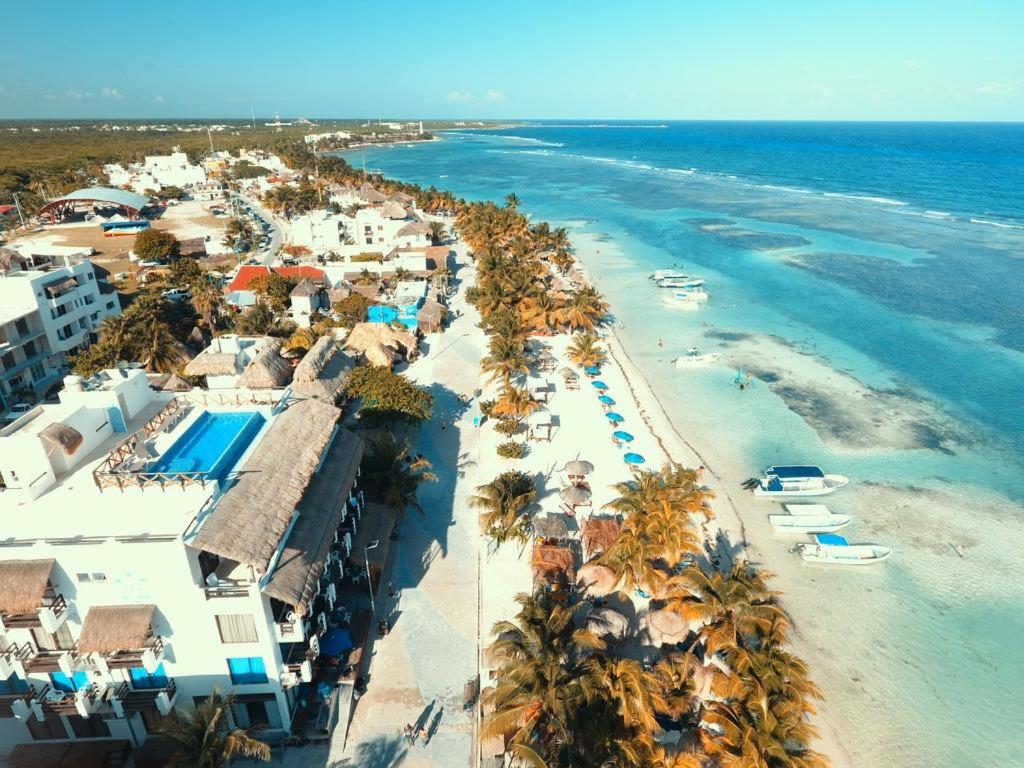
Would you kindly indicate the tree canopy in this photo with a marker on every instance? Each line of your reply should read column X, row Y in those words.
column 155, row 245
column 386, row 396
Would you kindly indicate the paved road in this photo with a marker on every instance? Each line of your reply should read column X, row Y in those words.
column 276, row 235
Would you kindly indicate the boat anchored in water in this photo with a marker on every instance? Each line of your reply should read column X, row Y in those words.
column 795, row 480
column 681, row 282
column 808, row 518
column 675, row 273
column 694, row 356
column 688, row 297
column 833, row 549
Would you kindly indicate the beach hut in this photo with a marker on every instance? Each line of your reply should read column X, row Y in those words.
column 322, row 372
column 268, row 370
column 380, row 344
column 599, row 533
column 549, row 528
column 552, row 564
column 597, row 580
column 430, row 317
column 539, row 425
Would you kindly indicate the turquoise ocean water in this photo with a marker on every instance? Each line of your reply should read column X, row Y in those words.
column 869, row 278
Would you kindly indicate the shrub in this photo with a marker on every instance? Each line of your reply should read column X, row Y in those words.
column 155, row 245
column 506, row 427
column 511, row 450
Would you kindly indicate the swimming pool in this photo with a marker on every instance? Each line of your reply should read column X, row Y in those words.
column 212, row 444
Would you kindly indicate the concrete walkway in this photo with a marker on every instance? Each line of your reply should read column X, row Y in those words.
column 418, row 672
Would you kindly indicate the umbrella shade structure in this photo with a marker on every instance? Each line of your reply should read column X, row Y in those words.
column 597, row 580
column 604, row 399
column 667, row 627
column 592, row 370
column 578, row 467
column 599, row 385
column 633, row 458
column 605, row 622
column 337, row 641
column 614, row 417
column 574, row 495
column 623, row 436
column 599, row 533
column 548, row 527
column 568, row 373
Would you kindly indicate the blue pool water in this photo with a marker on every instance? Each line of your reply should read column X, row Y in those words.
column 213, row 443
column 870, row 278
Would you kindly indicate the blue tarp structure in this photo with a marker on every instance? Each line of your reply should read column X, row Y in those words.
column 832, row 538
column 336, row 642
column 788, row 473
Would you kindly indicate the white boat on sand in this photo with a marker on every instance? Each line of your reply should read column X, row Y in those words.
column 833, row 549
column 796, row 481
column 808, row 518
column 694, row 356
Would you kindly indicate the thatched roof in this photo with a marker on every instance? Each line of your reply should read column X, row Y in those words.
column 414, row 228
column 23, row 583
column 578, row 467
column 599, row 533
column 597, row 580
column 550, row 560
column 605, row 622
column 548, row 527
column 197, row 339
column 369, row 194
column 322, row 372
column 393, row 210
column 62, row 436
column 294, row 579
column 572, row 494
column 305, row 287
column 9, row 257
column 402, row 198
column 111, row 628
column 568, row 373
column 208, row 363
column 174, row 383
column 379, row 343
column 431, row 315
column 667, row 627
column 57, row 288
column 268, row 370
column 251, row 517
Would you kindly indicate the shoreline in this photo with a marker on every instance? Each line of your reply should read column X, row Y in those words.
column 681, row 451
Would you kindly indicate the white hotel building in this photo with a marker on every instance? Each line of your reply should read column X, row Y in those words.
column 157, row 546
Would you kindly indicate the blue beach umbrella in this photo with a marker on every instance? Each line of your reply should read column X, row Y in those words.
column 623, row 436
column 592, row 370
column 598, row 385
column 633, row 458
column 614, row 417
column 606, row 400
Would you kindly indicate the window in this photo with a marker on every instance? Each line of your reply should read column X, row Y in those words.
column 8, row 360
column 93, row 727
column 256, row 710
column 13, row 685
column 38, row 372
column 29, row 349
column 22, row 325
column 236, row 628
column 141, row 679
column 62, row 682
column 247, row 671
column 85, row 578
column 44, row 730
column 110, row 305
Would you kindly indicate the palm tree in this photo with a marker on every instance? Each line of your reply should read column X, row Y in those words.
column 365, row 277
column 390, row 475
column 203, row 739
column 512, row 201
column 506, row 359
column 503, row 501
column 515, row 403
column 631, row 559
column 256, row 321
column 585, row 350
column 207, row 301
column 302, row 340
column 584, row 309
column 747, row 735
column 437, row 232
column 542, row 311
column 542, row 680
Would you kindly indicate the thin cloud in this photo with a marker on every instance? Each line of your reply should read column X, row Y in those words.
column 493, row 95
column 111, row 93
column 459, row 96
column 1001, row 88
column 158, row 99
column 912, row 64
column 73, row 95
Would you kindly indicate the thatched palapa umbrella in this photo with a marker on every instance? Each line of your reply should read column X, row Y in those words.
column 599, row 533
column 574, row 495
column 548, row 527
column 578, row 467
column 568, row 373
column 597, row 580
column 667, row 627
column 605, row 622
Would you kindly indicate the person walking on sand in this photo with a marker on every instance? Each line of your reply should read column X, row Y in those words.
column 424, row 735
column 409, row 734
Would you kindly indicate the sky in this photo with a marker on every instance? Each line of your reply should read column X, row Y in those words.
column 582, row 59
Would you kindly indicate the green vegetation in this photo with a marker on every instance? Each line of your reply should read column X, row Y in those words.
column 351, row 310
column 504, row 502
column 155, row 245
column 204, row 737
column 512, row 449
column 391, row 476
column 388, row 397
column 585, row 350
column 274, row 289
column 246, row 170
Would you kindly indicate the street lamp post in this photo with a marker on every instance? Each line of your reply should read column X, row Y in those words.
column 369, row 579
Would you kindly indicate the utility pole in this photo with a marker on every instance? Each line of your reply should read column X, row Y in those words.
column 209, row 134
column 17, row 204
column 369, row 579
column 253, row 113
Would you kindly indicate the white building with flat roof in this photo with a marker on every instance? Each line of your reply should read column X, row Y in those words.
column 160, row 546
column 49, row 308
column 174, row 170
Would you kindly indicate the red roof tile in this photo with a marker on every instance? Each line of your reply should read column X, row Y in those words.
column 246, row 274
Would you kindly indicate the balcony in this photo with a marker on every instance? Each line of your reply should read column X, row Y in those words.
column 45, row 661
column 50, row 614
column 20, row 704
column 84, row 702
column 127, row 700
column 13, row 658
column 149, row 656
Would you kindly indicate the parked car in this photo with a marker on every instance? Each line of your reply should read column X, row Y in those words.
column 16, row 411
column 176, row 294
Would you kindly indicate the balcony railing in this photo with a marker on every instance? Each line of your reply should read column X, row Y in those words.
column 130, row 700
column 49, row 701
column 52, row 611
column 137, row 657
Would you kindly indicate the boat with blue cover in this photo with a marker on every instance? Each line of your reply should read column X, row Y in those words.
column 787, row 481
column 833, row 549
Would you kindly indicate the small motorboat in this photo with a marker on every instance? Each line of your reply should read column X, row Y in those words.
column 694, row 356
column 680, row 282
column 668, row 274
column 790, row 481
column 690, row 297
column 808, row 518
column 833, row 549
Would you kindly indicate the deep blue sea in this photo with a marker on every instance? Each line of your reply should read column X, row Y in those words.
column 870, row 278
